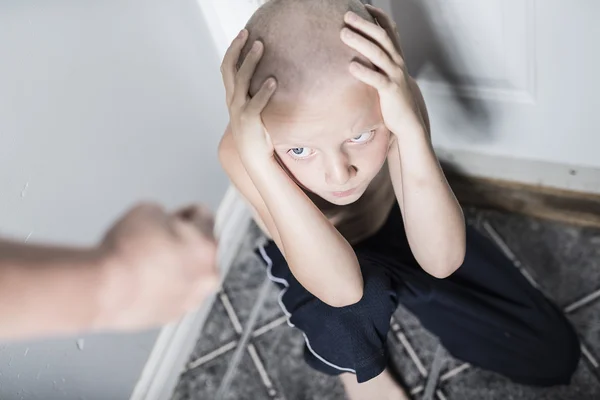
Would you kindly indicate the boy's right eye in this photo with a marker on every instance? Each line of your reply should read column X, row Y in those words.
column 300, row 152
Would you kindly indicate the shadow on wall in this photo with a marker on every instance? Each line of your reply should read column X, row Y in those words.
column 427, row 43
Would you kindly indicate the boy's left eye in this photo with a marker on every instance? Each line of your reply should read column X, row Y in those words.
column 363, row 137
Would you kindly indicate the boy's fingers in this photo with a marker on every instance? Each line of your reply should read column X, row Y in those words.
column 387, row 23
column 257, row 104
column 369, row 76
column 378, row 33
column 379, row 14
column 233, row 53
column 373, row 52
column 246, row 71
column 228, row 66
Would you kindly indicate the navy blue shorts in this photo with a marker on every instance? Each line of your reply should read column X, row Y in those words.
column 486, row 313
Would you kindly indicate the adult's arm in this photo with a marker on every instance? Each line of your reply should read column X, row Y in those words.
column 151, row 268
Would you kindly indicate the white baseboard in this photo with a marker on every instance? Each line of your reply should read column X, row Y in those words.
column 533, row 172
column 176, row 341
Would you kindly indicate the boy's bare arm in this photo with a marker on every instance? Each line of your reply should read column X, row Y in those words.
column 233, row 166
column 318, row 255
column 433, row 219
column 432, row 216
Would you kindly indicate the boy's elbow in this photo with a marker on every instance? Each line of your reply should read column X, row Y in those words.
column 445, row 267
column 442, row 273
column 223, row 149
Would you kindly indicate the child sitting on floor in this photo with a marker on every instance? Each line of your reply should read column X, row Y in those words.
column 329, row 142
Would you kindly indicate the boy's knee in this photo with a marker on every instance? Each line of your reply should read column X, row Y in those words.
column 368, row 310
column 558, row 354
column 349, row 339
column 565, row 352
column 368, row 318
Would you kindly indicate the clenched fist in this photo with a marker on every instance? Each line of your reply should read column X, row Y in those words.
column 158, row 266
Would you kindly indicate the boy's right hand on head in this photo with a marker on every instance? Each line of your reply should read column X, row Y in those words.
column 158, row 266
column 250, row 136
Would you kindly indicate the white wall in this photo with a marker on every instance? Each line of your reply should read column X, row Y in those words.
column 102, row 103
column 510, row 85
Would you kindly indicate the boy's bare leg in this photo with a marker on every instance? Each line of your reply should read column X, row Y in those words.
column 382, row 387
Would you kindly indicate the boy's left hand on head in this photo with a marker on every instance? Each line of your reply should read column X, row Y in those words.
column 380, row 44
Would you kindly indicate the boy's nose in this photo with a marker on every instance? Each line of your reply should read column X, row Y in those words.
column 340, row 172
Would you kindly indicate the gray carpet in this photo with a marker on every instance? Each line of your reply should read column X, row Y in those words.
column 255, row 355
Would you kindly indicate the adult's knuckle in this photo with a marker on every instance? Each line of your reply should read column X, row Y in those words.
column 146, row 206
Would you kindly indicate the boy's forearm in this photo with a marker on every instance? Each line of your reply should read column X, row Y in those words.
column 433, row 218
column 48, row 291
column 318, row 255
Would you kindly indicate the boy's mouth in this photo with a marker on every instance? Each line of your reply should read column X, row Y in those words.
column 344, row 193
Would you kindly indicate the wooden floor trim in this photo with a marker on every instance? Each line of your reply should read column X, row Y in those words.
column 543, row 202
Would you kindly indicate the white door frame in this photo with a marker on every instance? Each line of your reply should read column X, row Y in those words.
column 225, row 18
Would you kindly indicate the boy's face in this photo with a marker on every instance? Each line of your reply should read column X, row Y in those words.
column 333, row 143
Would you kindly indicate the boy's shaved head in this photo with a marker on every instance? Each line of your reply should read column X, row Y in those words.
column 325, row 124
column 302, row 47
